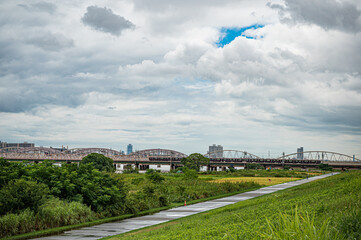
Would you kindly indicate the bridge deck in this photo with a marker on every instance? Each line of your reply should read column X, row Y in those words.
column 166, row 160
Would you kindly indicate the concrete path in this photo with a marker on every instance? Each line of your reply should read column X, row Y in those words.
column 113, row 228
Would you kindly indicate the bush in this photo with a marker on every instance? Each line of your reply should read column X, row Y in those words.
column 189, row 174
column 154, row 176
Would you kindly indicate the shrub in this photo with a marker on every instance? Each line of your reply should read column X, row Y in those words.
column 189, row 174
column 154, row 176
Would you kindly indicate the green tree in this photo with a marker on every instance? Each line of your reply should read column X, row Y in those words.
column 195, row 161
column 10, row 171
column 21, row 194
column 99, row 161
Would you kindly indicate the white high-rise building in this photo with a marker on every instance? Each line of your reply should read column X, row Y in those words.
column 216, row 151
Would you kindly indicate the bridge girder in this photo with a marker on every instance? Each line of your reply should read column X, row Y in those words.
column 231, row 154
column 321, row 155
column 37, row 150
column 104, row 151
column 158, row 152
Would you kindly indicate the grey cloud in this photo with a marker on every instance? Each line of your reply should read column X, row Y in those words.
column 40, row 6
column 333, row 14
column 24, row 95
column 103, row 19
column 346, row 119
column 157, row 5
column 50, row 41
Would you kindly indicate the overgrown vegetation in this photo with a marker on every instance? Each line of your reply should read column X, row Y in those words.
column 41, row 196
column 329, row 208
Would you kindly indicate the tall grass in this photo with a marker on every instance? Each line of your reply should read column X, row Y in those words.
column 12, row 224
column 53, row 213
column 146, row 195
column 300, row 226
column 349, row 223
column 56, row 213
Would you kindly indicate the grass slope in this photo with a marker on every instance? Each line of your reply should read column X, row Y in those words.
column 329, row 208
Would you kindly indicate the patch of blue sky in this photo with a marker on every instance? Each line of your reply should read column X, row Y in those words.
column 229, row 34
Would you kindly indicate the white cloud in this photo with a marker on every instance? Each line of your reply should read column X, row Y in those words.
column 164, row 83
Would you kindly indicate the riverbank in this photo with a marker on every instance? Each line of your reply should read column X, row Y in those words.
column 329, row 208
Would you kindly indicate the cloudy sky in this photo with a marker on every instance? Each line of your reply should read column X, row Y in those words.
column 261, row 76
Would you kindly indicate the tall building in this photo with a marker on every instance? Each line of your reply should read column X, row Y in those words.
column 216, row 150
column 300, row 153
column 129, row 149
column 24, row 144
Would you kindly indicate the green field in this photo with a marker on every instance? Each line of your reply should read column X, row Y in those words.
column 329, row 208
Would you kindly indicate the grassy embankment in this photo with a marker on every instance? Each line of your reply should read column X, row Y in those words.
column 329, row 208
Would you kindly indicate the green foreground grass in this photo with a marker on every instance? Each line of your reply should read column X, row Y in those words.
column 329, row 208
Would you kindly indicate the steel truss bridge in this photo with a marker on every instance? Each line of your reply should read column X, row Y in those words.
column 225, row 158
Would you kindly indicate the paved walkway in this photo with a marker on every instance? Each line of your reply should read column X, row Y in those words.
column 113, row 228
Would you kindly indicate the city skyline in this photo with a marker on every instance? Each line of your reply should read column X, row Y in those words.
column 260, row 76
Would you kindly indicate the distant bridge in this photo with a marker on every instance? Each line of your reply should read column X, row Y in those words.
column 225, row 158
column 232, row 154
